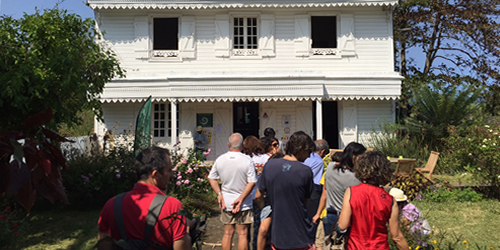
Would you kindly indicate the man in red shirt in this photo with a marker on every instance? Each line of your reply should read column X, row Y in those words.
column 153, row 169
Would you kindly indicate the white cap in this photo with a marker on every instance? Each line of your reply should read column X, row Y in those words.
column 398, row 194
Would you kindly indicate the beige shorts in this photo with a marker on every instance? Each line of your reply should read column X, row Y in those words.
column 241, row 217
column 320, row 235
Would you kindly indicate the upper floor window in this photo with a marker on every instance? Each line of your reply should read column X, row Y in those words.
column 166, row 37
column 323, row 35
column 245, row 36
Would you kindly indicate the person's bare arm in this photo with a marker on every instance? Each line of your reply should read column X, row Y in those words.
column 345, row 214
column 260, row 199
column 183, row 243
column 236, row 206
column 215, row 186
column 322, row 204
column 395, row 229
column 103, row 243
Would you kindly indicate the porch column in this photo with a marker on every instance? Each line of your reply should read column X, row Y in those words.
column 319, row 119
column 173, row 121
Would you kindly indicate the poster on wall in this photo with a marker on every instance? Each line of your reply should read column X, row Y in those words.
column 204, row 120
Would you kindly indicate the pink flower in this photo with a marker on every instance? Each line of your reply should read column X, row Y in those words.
column 14, row 225
column 15, row 233
column 3, row 216
column 184, row 161
column 186, row 182
column 206, row 153
column 190, row 170
column 199, row 179
column 7, row 208
column 196, row 165
column 209, row 150
column 178, row 183
column 175, row 169
column 179, row 177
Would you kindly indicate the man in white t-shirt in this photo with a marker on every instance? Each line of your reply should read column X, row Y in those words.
column 236, row 172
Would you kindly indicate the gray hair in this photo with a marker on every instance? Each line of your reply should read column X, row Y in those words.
column 321, row 144
column 236, row 141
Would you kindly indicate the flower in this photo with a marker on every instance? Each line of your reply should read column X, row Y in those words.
column 175, row 169
column 465, row 242
column 3, row 216
column 196, row 165
column 118, row 175
column 14, row 225
column 492, row 248
column 186, row 182
column 7, row 208
column 15, row 233
column 184, row 161
column 484, row 146
column 190, row 170
column 486, row 126
column 199, row 179
column 467, row 247
column 418, row 247
column 434, row 241
column 179, row 177
column 178, row 183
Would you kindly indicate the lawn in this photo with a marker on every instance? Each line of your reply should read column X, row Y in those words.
column 475, row 222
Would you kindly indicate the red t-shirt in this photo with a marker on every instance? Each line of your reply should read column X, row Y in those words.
column 371, row 209
column 135, row 208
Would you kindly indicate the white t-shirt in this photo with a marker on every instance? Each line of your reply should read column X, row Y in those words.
column 259, row 161
column 235, row 170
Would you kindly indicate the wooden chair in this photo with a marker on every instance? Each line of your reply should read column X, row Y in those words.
column 405, row 167
column 429, row 167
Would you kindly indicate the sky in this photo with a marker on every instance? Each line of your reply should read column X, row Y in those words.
column 17, row 8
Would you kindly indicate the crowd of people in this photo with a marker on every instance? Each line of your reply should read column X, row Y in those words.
column 293, row 200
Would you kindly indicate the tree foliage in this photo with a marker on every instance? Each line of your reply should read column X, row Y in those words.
column 458, row 39
column 52, row 67
column 51, row 60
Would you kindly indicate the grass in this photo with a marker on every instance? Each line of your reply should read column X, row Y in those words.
column 475, row 222
column 463, row 178
column 73, row 230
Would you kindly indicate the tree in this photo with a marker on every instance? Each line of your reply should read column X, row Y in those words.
column 52, row 67
column 460, row 41
column 51, row 60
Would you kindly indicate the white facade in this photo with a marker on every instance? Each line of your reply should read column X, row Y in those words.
column 289, row 77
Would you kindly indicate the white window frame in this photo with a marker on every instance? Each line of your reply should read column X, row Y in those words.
column 168, row 55
column 324, row 53
column 244, row 53
column 166, row 120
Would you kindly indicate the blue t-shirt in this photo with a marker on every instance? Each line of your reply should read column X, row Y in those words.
column 287, row 185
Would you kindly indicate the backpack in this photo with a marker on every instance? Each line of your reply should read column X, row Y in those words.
column 151, row 220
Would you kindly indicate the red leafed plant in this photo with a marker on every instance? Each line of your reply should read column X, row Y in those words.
column 30, row 161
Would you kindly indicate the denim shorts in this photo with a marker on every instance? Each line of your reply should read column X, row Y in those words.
column 266, row 212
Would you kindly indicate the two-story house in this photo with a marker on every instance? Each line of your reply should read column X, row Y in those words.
column 323, row 66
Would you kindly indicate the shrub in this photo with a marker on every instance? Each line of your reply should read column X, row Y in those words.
column 10, row 224
column 448, row 193
column 413, row 186
column 475, row 149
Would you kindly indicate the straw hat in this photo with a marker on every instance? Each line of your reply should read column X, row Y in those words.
column 199, row 128
column 398, row 194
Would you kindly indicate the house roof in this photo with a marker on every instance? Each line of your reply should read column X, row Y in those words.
column 226, row 4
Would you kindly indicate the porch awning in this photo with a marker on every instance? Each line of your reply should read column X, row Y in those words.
column 254, row 87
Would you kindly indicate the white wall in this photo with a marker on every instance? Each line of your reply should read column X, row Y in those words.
column 372, row 32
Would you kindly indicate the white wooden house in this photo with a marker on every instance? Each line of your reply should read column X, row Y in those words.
column 321, row 66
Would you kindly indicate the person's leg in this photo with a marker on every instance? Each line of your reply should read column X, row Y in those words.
column 320, row 236
column 256, row 225
column 228, row 237
column 242, row 236
column 328, row 222
column 263, row 230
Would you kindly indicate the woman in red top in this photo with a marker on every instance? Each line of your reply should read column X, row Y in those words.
column 367, row 207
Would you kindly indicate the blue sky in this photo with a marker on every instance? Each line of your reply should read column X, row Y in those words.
column 16, row 8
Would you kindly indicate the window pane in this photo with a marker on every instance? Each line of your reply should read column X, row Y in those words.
column 155, row 132
column 162, row 116
column 156, row 107
column 162, row 133
column 162, row 124
column 165, row 33
column 162, row 107
column 324, row 31
column 155, row 124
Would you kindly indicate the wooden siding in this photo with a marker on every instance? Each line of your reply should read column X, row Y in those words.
column 371, row 114
column 372, row 33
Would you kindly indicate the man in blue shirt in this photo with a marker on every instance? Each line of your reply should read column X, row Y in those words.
column 288, row 185
column 200, row 139
column 315, row 162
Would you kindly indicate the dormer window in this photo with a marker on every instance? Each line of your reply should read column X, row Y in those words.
column 166, row 37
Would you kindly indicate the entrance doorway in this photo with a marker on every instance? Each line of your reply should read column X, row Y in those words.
column 246, row 118
column 330, row 122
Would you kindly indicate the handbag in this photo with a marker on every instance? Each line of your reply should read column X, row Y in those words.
column 336, row 240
